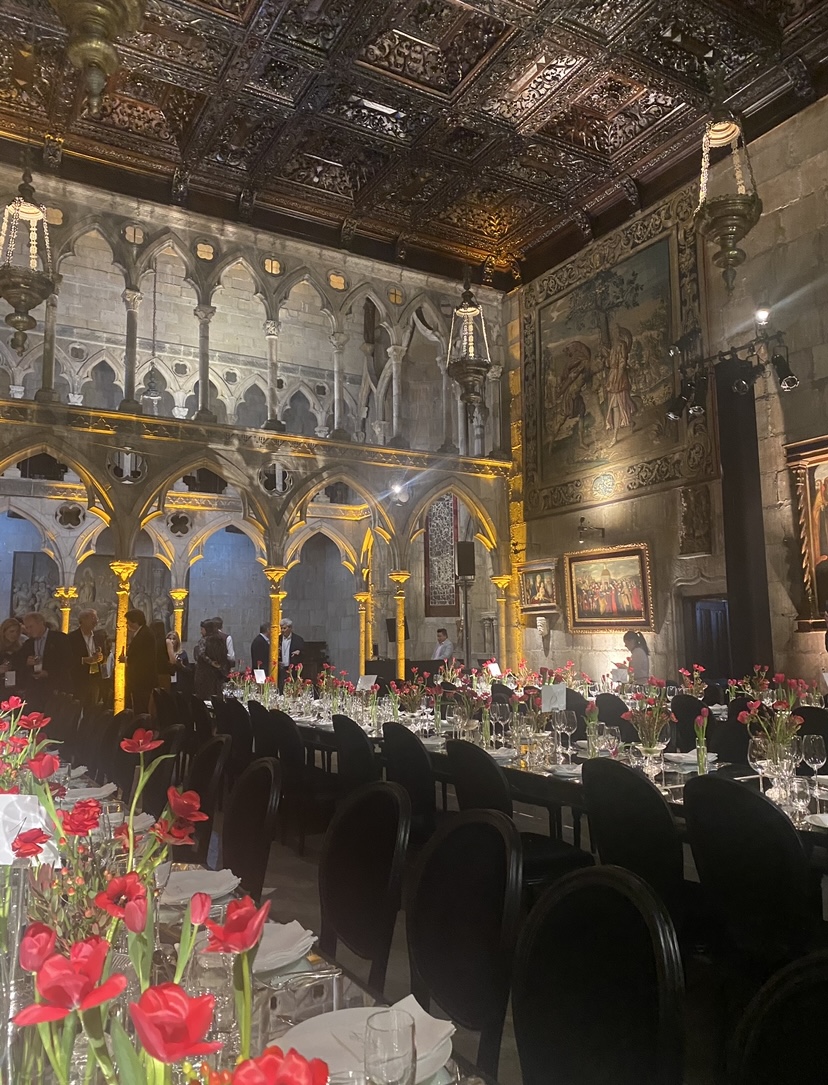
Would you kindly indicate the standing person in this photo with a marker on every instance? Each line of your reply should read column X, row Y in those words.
column 444, row 649
column 260, row 649
column 213, row 665
column 182, row 671
column 87, row 654
column 42, row 663
column 162, row 661
column 231, row 651
column 290, row 649
column 11, row 641
column 639, row 656
column 141, row 662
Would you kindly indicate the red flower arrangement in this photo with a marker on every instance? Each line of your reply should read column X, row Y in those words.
column 170, row 1025
column 68, row 984
column 143, row 741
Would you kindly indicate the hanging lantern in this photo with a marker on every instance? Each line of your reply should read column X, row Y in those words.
column 468, row 359
column 94, row 27
column 729, row 216
column 152, row 392
column 26, row 275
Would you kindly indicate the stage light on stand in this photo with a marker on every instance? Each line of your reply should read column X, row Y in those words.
column 698, row 406
column 679, row 404
column 786, row 377
column 748, row 376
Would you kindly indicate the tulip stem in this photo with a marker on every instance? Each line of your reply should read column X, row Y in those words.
column 247, row 995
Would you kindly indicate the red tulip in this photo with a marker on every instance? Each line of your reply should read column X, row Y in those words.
column 743, row 717
column 11, row 705
column 200, row 905
column 171, row 1025
column 27, row 845
column 119, row 893
column 34, row 721
column 241, row 930
column 185, row 805
column 142, row 741
column 135, row 915
column 175, row 833
column 273, row 1067
column 36, row 945
column 68, row 985
column 43, row 765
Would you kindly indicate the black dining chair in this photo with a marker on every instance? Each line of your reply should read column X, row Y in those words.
column 597, row 985
column 232, row 719
column 163, row 709
column 611, row 711
column 407, row 763
column 814, row 720
column 203, row 722
column 309, row 793
column 686, row 709
column 728, row 738
column 249, row 824
column 632, row 827
column 481, row 784
column 356, row 762
column 154, row 796
column 755, row 872
column 713, row 694
column 205, row 776
column 462, row 915
column 360, row 874
column 264, row 737
column 781, row 1038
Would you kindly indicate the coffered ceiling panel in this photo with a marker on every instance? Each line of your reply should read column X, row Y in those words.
column 495, row 131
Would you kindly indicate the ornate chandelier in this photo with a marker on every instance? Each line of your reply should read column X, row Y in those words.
column 94, row 26
column 26, row 274
column 468, row 358
column 728, row 217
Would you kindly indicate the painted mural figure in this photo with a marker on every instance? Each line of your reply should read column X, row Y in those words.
column 620, row 403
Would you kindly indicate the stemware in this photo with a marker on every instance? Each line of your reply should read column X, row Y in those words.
column 757, row 756
column 389, row 1048
column 568, row 724
column 814, row 756
column 799, row 792
column 612, row 740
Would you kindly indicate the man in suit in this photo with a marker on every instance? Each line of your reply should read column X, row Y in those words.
column 88, row 650
column 260, row 649
column 141, row 662
column 290, row 649
column 42, row 664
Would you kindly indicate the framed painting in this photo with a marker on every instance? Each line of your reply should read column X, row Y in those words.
column 609, row 589
column 599, row 371
column 538, row 587
column 808, row 463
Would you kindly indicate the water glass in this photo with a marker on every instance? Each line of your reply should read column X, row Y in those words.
column 390, row 1057
column 799, row 790
column 757, row 756
column 612, row 740
column 813, row 754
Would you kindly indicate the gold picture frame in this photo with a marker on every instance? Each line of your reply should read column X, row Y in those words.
column 609, row 589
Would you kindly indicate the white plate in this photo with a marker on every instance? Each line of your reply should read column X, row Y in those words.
column 820, row 820
column 688, row 758
column 315, row 1040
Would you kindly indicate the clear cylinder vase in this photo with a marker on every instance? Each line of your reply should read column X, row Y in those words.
column 592, row 740
column 701, row 758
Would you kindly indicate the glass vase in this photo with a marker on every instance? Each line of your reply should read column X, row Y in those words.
column 701, row 758
column 592, row 739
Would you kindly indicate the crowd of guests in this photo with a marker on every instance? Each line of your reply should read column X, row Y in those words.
column 36, row 659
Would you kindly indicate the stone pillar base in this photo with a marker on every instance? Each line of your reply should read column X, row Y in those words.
column 46, row 395
column 341, row 435
column 130, row 406
column 276, row 425
column 204, row 416
column 449, row 448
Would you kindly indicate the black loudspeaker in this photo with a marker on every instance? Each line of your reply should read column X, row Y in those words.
column 465, row 559
column 391, row 629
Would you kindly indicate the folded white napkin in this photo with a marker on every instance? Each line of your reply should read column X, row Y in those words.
column 105, row 792
column 184, row 883
column 688, row 758
column 79, row 770
column 436, row 743
column 282, row 944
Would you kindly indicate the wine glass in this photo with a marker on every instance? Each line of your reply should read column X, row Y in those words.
column 568, row 725
column 799, row 791
column 612, row 740
column 636, row 756
column 814, row 756
column 757, row 756
column 389, row 1048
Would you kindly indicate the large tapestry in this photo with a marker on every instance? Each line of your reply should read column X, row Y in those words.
column 441, row 595
column 598, row 371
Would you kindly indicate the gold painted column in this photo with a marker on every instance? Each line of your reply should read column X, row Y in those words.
column 123, row 570
column 362, row 598
column 275, row 574
column 369, row 624
column 178, row 595
column 66, row 595
column 502, row 584
column 399, row 577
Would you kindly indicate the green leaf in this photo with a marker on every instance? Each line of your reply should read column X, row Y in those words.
column 130, row 1071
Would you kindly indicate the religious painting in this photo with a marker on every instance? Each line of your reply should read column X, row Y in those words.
column 609, row 589
column 538, row 590
column 34, row 579
column 808, row 461
column 149, row 590
column 599, row 372
column 442, row 599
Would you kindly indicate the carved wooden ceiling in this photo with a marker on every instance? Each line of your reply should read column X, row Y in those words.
column 428, row 131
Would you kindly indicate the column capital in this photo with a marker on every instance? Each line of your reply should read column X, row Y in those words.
column 275, row 574
column 132, row 299
column 338, row 340
column 178, row 596
column 501, row 582
column 399, row 577
column 495, row 373
column 124, row 571
column 362, row 598
column 66, row 592
column 272, row 328
column 204, row 313
column 395, row 353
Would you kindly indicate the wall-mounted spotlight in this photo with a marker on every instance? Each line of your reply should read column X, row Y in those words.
column 699, row 402
column 399, row 493
column 679, row 404
column 787, row 379
column 586, row 528
column 762, row 315
column 746, row 377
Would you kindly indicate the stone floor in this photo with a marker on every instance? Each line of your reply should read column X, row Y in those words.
column 291, row 884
